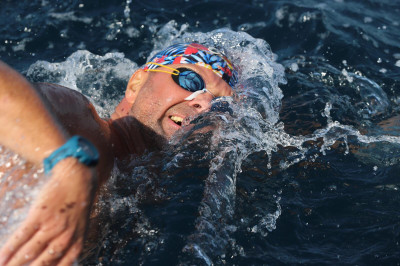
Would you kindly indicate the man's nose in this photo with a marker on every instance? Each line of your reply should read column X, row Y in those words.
column 201, row 103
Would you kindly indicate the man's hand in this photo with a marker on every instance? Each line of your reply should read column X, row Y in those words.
column 53, row 232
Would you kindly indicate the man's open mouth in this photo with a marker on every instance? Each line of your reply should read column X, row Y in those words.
column 178, row 120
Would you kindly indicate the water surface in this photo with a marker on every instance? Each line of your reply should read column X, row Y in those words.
column 303, row 167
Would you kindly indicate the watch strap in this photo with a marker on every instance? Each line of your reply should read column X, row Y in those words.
column 77, row 147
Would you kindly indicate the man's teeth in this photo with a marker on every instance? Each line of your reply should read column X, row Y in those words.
column 178, row 120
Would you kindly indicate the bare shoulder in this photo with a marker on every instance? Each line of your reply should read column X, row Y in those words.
column 72, row 109
column 62, row 99
column 78, row 116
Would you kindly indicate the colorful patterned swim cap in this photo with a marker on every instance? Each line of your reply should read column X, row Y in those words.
column 197, row 54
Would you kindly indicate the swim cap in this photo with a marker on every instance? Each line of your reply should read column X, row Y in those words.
column 197, row 54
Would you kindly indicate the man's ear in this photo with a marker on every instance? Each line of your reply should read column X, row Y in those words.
column 135, row 84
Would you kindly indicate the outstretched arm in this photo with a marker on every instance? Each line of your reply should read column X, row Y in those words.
column 54, row 229
column 27, row 127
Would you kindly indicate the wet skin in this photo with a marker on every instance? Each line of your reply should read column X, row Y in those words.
column 152, row 101
column 156, row 98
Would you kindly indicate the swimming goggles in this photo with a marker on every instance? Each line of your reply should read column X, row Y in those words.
column 186, row 79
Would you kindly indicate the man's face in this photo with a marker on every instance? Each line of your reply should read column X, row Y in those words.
column 161, row 105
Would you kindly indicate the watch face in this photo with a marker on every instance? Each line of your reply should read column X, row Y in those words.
column 88, row 149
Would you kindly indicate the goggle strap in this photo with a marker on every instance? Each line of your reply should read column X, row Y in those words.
column 176, row 73
column 209, row 92
column 173, row 70
column 196, row 93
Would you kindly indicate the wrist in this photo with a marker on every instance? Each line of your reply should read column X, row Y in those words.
column 71, row 171
column 76, row 147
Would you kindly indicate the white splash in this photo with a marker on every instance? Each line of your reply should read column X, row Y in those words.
column 93, row 75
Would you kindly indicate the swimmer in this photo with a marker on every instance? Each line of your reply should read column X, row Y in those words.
column 58, row 129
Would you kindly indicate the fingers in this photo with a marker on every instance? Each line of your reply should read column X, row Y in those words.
column 58, row 254
column 17, row 240
column 35, row 246
column 48, row 247
column 72, row 254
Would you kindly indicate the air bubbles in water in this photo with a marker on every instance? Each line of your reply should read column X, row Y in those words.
column 127, row 10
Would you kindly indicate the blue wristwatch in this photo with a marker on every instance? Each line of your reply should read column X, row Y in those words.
column 77, row 147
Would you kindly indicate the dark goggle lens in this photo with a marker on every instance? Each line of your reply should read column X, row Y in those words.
column 189, row 80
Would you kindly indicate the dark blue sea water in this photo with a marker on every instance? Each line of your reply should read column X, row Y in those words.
column 304, row 169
